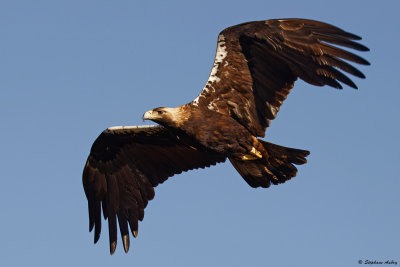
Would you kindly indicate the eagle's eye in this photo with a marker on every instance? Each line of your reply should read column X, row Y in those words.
column 160, row 112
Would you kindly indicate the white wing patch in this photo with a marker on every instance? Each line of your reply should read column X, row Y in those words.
column 219, row 57
column 212, row 107
column 114, row 128
column 127, row 128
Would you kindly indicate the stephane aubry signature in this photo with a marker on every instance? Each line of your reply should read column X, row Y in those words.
column 392, row 262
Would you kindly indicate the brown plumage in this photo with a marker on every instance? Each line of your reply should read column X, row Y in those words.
column 255, row 68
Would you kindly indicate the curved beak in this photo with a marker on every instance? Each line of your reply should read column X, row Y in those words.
column 148, row 115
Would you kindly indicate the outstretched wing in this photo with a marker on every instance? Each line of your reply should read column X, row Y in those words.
column 257, row 63
column 124, row 165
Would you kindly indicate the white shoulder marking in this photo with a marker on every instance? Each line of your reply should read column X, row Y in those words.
column 219, row 57
column 127, row 129
column 115, row 128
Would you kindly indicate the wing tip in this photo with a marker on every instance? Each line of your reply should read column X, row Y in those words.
column 113, row 246
column 135, row 233
column 126, row 243
column 91, row 226
column 96, row 238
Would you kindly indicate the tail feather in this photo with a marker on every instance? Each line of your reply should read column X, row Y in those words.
column 276, row 167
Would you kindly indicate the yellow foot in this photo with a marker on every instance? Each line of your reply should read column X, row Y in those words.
column 254, row 154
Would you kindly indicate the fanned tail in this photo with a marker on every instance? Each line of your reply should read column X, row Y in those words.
column 276, row 168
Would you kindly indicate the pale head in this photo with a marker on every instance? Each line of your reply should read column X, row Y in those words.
column 165, row 116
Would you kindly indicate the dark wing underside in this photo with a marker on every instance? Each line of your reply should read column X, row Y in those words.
column 124, row 166
column 257, row 63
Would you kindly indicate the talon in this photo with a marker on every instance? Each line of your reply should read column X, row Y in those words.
column 256, row 153
column 249, row 157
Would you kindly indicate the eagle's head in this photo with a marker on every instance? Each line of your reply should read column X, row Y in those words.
column 164, row 116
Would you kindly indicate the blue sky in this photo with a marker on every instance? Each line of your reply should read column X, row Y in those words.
column 70, row 69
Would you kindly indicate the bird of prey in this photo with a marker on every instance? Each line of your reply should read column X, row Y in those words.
column 255, row 67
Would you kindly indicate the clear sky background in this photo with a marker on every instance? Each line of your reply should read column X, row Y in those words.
column 70, row 69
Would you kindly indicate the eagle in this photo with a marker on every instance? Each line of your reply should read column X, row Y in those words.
column 255, row 67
